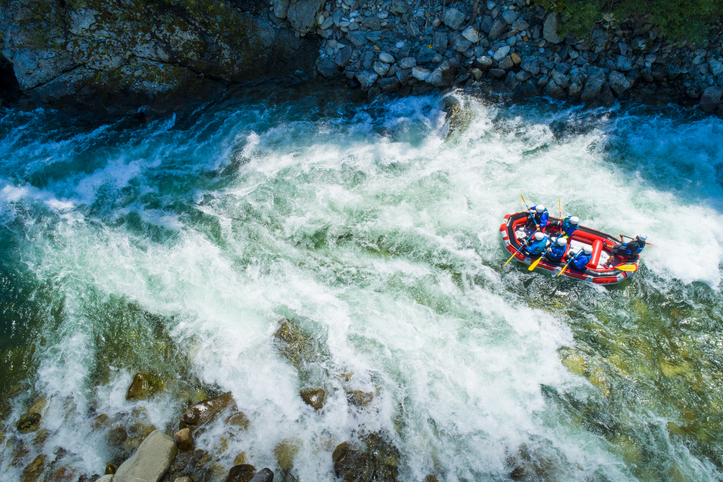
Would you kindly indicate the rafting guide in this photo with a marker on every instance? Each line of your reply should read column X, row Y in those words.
column 562, row 246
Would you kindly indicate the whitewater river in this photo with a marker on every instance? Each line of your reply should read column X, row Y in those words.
column 176, row 246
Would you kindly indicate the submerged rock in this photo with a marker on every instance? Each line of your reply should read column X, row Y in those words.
column 184, row 439
column 376, row 460
column 241, row 473
column 29, row 422
column 359, row 398
column 33, row 471
column 143, row 386
column 263, row 475
column 151, row 460
column 285, row 453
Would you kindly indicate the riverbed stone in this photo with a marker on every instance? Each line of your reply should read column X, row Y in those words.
column 593, row 84
column 453, row 18
column 241, row 473
column 150, row 462
column 143, row 386
column 710, row 99
column 471, row 34
column 263, row 475
column 372, row 459
column 184, row 439
column 29, row 422
column 498, row 28
column 366, row 79
column 420, row 73
column 316, row 397
column 618, row 82
column 33, row 471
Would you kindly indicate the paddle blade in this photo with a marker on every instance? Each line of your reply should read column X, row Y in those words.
column 513, row 255
column 534, row 265
column 627, row 267
column 561, row 271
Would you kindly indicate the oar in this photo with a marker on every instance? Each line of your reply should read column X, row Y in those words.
column 537, row 261
column 518, row 249
column 646, row 242
column 528, row 210
column 626, row 267
column 566, row 264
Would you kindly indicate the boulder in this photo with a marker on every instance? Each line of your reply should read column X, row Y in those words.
column 453, row 18
column 374, row 459
column 497, row 29
column 241, row 473
column 285, row 453
column 593, row 84
column 143, row 386
column 618, row 83
column 263, row 475
column 554, row 90
column 420, row 73
column 390, row 84
column 33, row 471
column 710, row 99
column 400, row 6
column 303, row 14
column 559, row 78
column 150, row 462
column 439, row 42
column 206, row 411
column 530, row 65
column 507, row 63
column 357, row 37
column 550, row 29
column 460, row 44
column 425, row 55
column 497, row 73
column 315, row 397
column 471, row 34
column 29, row 422
column 184, row 439
column 343, row 55
column 327, row 67
column 109, row 478
column 366, row 79
column 509, row 16
column 281, row 8
column 408, row 62
column 358, row 397
column 238, row 419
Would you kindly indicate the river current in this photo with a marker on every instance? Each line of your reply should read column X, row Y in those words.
column 176, row 246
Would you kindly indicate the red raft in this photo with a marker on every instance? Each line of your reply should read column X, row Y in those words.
column 602, row 266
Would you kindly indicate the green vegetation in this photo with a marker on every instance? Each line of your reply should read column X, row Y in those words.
column 676, row 19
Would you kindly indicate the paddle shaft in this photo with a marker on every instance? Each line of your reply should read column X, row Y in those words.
column 528, row 210
column 518, row 249
column 537, row 261
column 568, row 263
column 626, row 236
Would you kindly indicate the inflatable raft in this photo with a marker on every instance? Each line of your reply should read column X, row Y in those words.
column 602, row 268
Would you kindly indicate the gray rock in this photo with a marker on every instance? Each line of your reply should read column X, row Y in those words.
column 497, row 73
column 399, row 6
column 716, row 67
column 386, row 58
column 559, row 78
column 497, row 29
column 599, row 37
column 381, row 68
column 519, row 25
column 372, row 23
column 440, row 78
column 366, row 79
column 413, row 29
column 526, row 90
column 501, row 53
column 439, row 41
column 550, row 29
column 486, row 24
column 531, row 65
column 485, row 61
column 404, row 75
column 281, row 8
column 453, row 18
column 461, row 44
column 420, row 73
column 574, row 90
column 105, row 478
column 554, row 90
column 358, row 38
column 327, row 67
column 150, row 462
column 509, row 16
column 507, row 63
column 343, row 55
column 407, row 63
column 471, row 34
column 390, row 84
column 374, row 36
column 264, row 475
column 302, row 15
column 710, row 99
column 606, row 97
column 593, row 84
column 618, row 83
column 327, row 23
column 425, row 55
column 624, row 64
column 184, row 439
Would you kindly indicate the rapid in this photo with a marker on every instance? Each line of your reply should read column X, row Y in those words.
column 176, row 246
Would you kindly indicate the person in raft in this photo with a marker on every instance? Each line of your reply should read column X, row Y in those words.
column 540, row 215
column 569, row 225
column 536, row 246
column 581, row 259
column 631, row 249
column 557, row 250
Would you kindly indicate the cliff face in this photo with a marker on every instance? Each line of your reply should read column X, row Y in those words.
column 121, row 54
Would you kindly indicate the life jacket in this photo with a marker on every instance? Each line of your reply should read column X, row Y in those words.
column 633, row 248
column 542, row 217
column 557, row 251
column 580, row 261
column 567, row 227
column 537, row 247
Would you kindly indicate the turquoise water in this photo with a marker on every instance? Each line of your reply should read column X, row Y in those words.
column 174, row 247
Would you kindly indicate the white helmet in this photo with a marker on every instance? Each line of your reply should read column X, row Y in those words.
column 561, row 242
column 540, row 208
column 574, row 220
column 587, row 249
column 642, row 237
column 539, row 236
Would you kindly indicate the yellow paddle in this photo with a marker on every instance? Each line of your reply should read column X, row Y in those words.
column 537, row 261
column 627, row 267
column 566, row 264
column 528, row 210
column 518, row 249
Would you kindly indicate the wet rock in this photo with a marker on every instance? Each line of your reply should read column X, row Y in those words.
column 554, row 90
column 375, row 459
column 143, row 386
column 185, row 478
column 606, row 97
column 302, row 14
column 184, row 439
column 498, row 28
column 241, row 473
column 386, row 58
column 238, row 419
column 593, row 84
column 150, row 462
column 425, row 55
column 106, row 478
column 359, row 398
column 263, row 475
column 38, row 406
column 343, row 55
column 559, row 78
column 390, row 84
column 366, row 79
column 281, row 8
column 29, row 422
column 551, row 28
column 525, row 90
column 206, row 411
column 710, row 99
column 420, row 73
column 64, row 474
column 285, row 453
column 399, row 6
column 471, row 34
column 618, row 83
column 460, row 44
column 34, row 470
column 327, row 67
column 453, row 18
column 357, row 38
column 316, row 397
column 497, row 73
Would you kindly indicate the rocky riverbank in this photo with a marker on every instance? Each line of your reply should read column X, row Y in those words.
column 114, row 57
